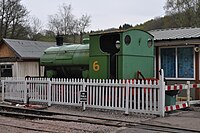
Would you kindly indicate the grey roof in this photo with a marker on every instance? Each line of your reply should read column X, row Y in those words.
column 34, row 49
column 179, row 33
column 28, row 49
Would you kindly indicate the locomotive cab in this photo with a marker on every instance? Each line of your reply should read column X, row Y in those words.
column 121, row 54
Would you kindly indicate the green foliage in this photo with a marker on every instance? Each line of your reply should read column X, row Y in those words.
column 125, row 26
column 13, row 19
column 179, row 13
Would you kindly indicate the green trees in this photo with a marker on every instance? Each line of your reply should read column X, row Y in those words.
column 179, row 13
column 185, row 13
column 12, row 19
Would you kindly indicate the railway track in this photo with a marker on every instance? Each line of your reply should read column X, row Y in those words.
column 28, row 128
column 17, row 112
column 41, row 130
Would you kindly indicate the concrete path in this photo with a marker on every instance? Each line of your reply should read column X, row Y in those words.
column 183, row 119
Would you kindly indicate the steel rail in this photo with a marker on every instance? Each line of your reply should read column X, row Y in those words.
column 38, row 114
column 42, row 130
column 28, row 128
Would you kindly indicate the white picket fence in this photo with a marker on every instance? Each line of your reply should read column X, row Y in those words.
column 141, row 96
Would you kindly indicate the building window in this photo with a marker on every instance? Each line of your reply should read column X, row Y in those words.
column 6, row 70
column 177, row 62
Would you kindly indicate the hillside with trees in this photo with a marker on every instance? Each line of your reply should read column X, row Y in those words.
column 16, row 23
column 179, row 13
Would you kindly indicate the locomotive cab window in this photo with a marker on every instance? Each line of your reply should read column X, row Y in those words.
column 127, row 39
column 108, row 43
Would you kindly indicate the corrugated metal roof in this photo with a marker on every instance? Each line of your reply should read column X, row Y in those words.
column 179, row 33
column 28, row 49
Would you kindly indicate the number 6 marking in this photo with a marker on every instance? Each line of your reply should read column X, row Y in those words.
column 96, row 66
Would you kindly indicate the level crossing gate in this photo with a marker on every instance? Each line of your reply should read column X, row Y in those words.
column 187, row 98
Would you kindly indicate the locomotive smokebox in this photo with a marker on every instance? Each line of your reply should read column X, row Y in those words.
column 59, row 40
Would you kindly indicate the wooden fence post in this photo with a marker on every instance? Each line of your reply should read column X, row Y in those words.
column 161, row 106
column 3, row 91
column 25, row 91
column 49, row 92
column 188, row 93
column 83, row 103
column 127, row 97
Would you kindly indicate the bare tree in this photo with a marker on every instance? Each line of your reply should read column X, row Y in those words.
column 67, row 18
column 64, row 22
column 55, row 24
column 36, row 27
column 12, row 18
column 83, row 23
column 73, row 29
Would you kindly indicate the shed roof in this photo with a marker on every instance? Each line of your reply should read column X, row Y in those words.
column 28, row 49
column 176, row 33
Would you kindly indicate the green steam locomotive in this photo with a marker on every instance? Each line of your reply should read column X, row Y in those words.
column 107, row 55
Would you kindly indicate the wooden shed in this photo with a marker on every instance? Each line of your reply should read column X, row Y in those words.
column 19, row 58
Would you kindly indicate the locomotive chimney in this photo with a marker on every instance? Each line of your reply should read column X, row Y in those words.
column 59, row 40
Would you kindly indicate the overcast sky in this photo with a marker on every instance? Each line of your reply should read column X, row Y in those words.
column 104, row 13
